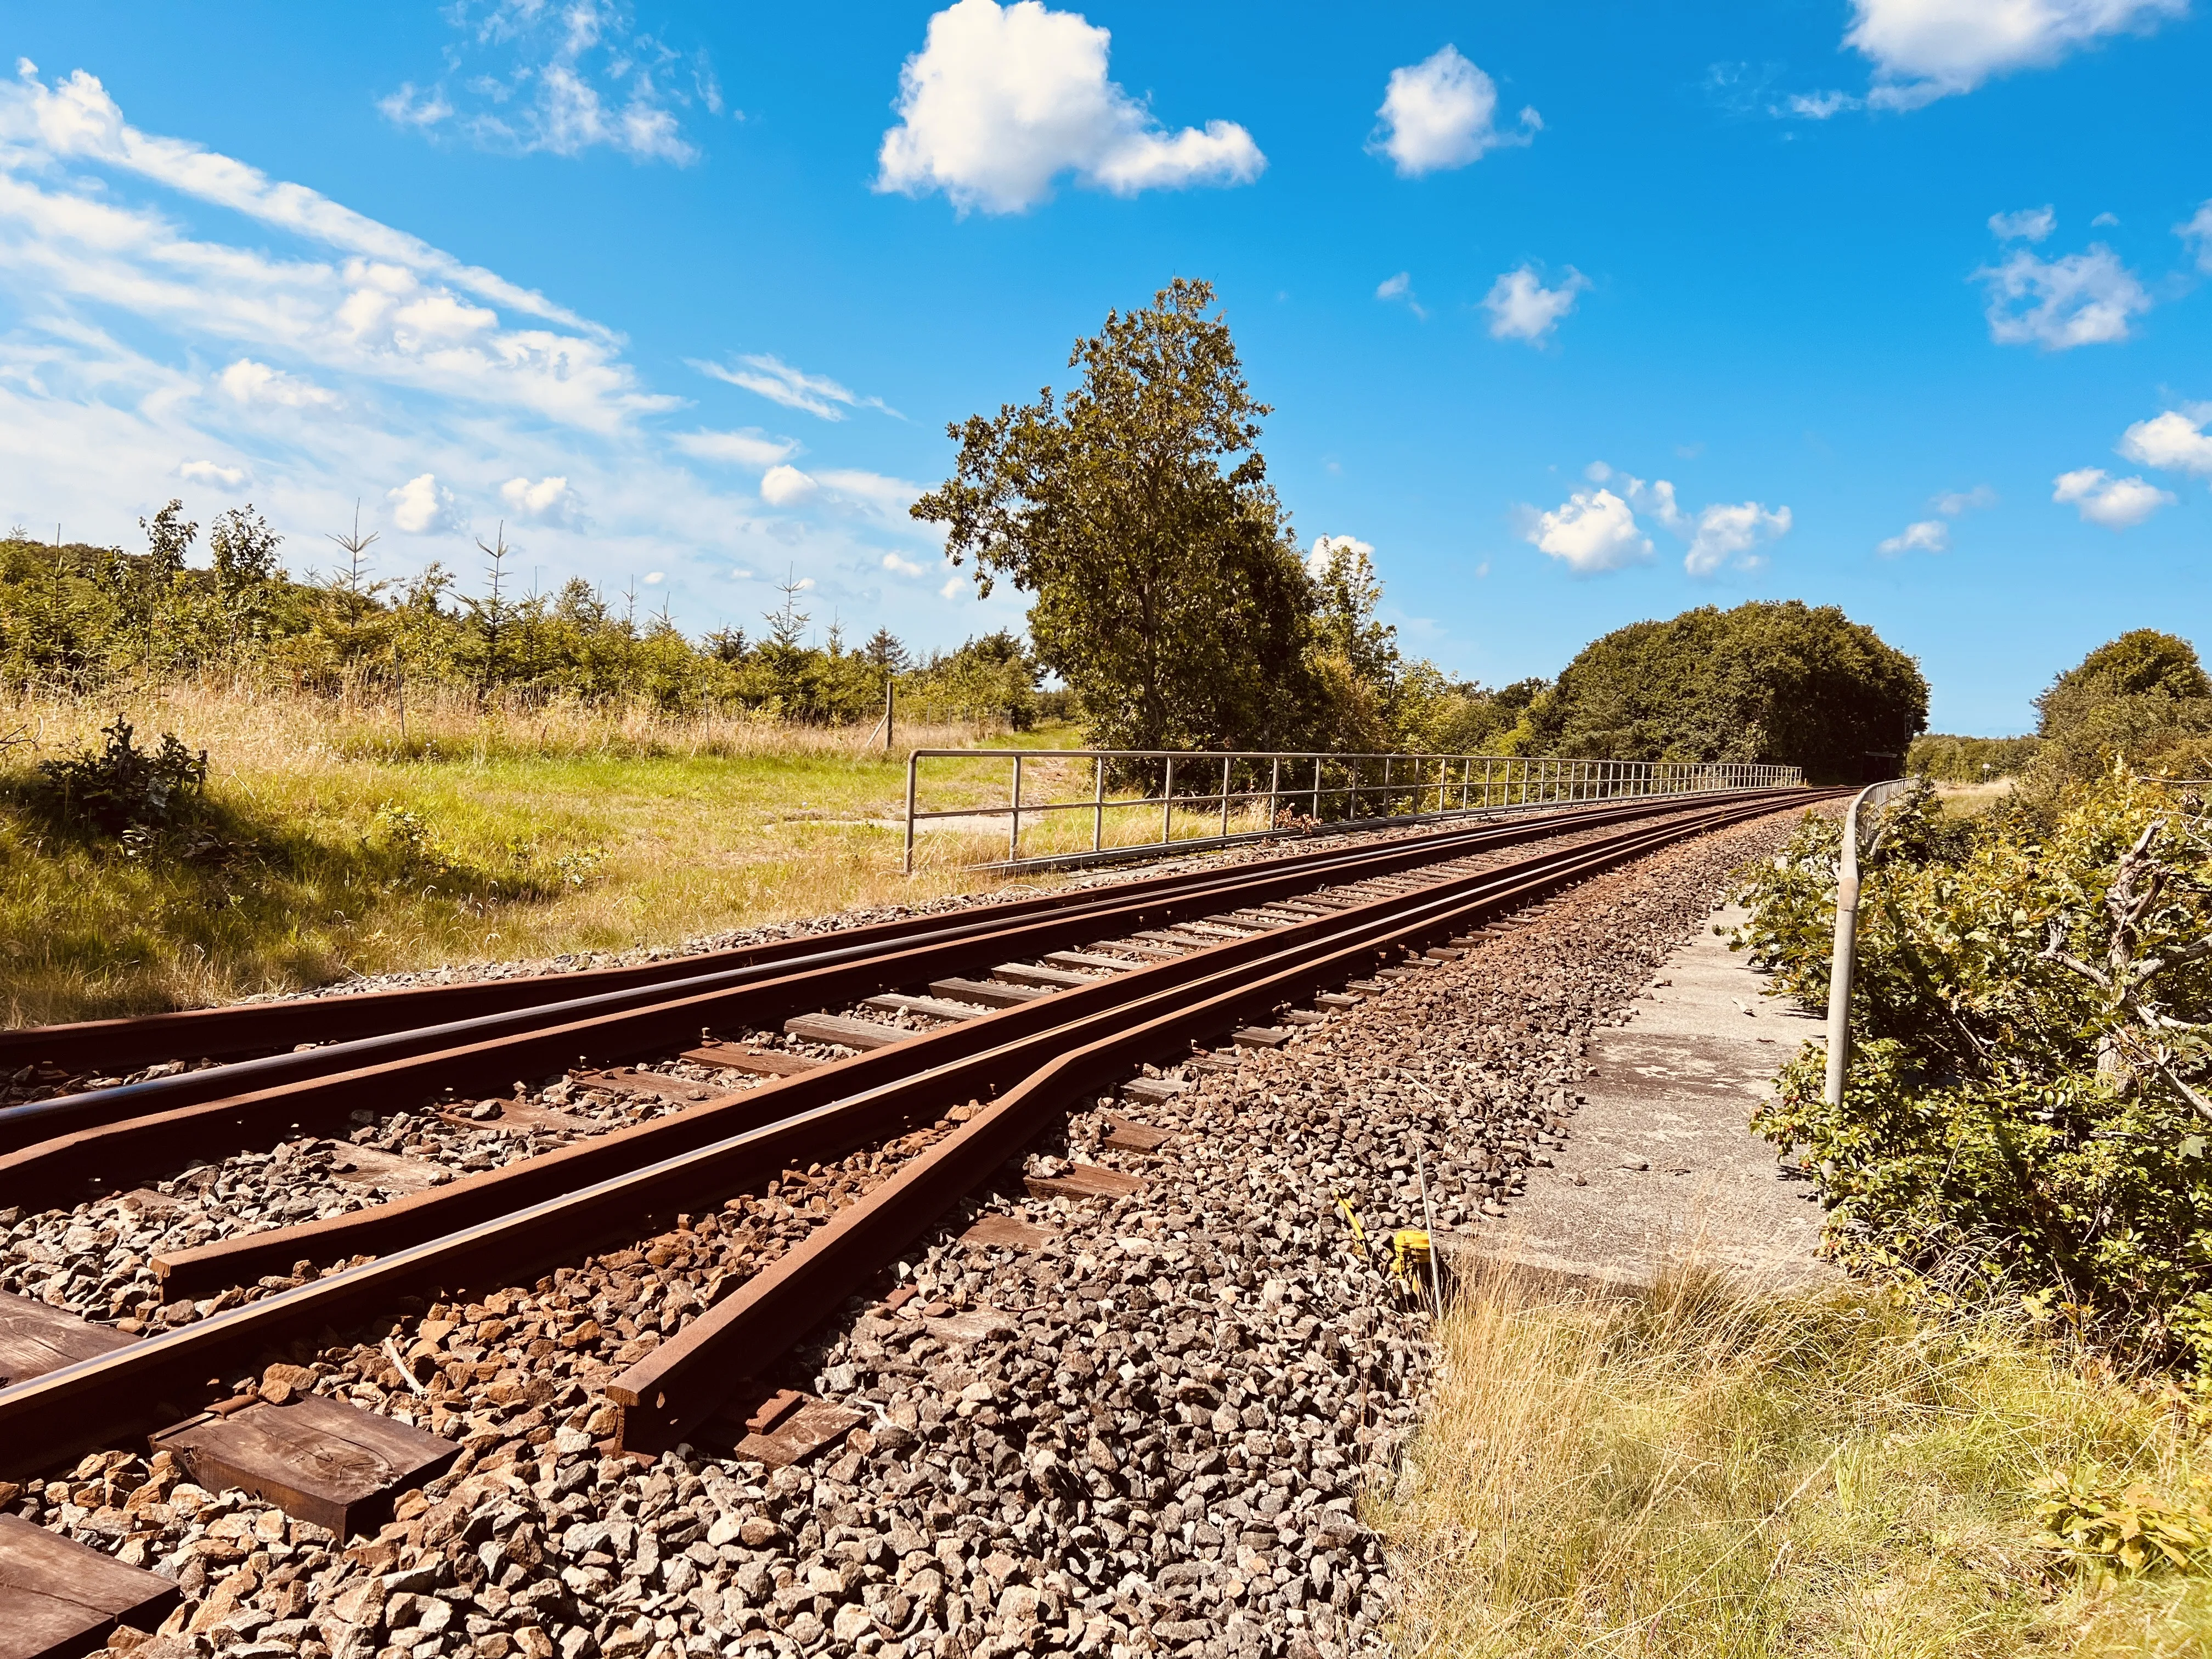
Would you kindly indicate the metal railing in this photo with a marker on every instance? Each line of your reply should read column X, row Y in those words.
column 1865, row 814
column 1303, row 789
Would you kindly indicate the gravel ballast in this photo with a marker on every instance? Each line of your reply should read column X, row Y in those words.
column 1151, row 1435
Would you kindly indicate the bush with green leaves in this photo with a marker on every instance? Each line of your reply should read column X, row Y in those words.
column 2028, row 1109
column 119, row 789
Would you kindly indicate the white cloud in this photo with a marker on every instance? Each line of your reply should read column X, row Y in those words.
column 2174, row 441
column 781, row 486
column 1933, row 535
column 749, row 447
column 654, row 578
column 779, row 382
column 901, row 567
column 1923, row 50
column 1593, row 530
column 2115, row 503
column 2028, row 225
column 953, row 587
column 422, row 506
column 1819, row 106
column 563, row 79
column 1726, row 535
column 1001, row 101
column 1401, row 286
column 549, row 500
column 1952, row 502
column 1925, row 536
column 2083, row 299
column 409, row 108
column 1521, row 308
column 2195, row 231
column 1657, row 498
column 248, row 382
column 1325, row 549
column 873, row 490
column 75, row 119
column 401, row 320
column 1721, row 534
column 151, row 344
column 1441, row 113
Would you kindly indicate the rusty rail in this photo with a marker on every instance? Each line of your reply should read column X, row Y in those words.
column 49, row 1418
column 107, row 1134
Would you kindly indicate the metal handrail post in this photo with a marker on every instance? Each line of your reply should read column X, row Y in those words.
column 1225, row 763
column 1166, row 803
column 1844, row 960
column 1097, row 802
column 1316, row 795
column 1014, row 820
column 911, row 762
column 1275, row 788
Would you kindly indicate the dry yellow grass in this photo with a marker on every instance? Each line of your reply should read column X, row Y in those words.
column 1699, row 1472
column 348, row 846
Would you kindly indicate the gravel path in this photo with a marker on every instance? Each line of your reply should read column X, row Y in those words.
column 1151, row 1435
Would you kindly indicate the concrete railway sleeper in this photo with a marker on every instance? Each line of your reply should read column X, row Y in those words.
column 112, row 1136
column 1037, row 1055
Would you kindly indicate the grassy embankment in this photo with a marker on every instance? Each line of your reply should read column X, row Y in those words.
column 333, row 847
column 1699, row 1473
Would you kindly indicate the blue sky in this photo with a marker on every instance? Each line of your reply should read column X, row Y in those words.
column 1575, row 314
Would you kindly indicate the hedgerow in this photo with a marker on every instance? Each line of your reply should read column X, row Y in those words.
column 2026, row 1110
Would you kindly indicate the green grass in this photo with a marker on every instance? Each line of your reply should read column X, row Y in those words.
column 1699, row 1473
column 339, row 848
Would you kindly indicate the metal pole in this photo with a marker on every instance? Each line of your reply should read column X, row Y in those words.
column 1225, row 796
column 890, row 709
column 1274, row 784
column 1844, row 960
column 1014, row 823
column 912, row 761
column 1097, row 802
column 1316, row 799
column 1167, row 804
column 1386, row 786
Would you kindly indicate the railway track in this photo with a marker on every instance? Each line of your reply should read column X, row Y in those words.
column 1164, row 965
column 108, row 1136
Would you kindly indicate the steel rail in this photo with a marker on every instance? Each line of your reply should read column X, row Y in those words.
column 847, row 969
column 205, row 1268
column 51, row 1419
column 117, row 1045
column 668, row 1395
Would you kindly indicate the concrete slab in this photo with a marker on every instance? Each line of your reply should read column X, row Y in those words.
column 1660, row 1165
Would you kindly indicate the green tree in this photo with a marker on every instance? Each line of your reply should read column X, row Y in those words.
column 1168, row 592
column 246, row 573
column 2140, row 663
column 2143, row 695
column 1780, row 681
column 887, row 652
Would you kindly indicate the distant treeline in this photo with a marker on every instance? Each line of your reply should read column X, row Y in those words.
column 2143, row 699
column 77, row 619
column 1766, row 681
column 1950, row 759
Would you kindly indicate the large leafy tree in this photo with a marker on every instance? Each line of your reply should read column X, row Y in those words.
column 1780, row 681
column 1168, row 592
column 2143, row 695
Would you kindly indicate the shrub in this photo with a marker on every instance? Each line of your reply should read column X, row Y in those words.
column 2027, row 1105
column 119, row 788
